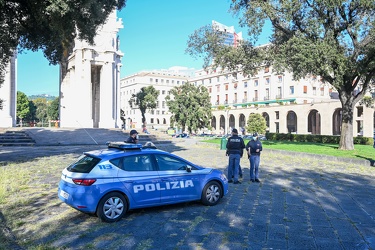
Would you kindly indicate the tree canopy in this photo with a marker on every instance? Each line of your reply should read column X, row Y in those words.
column 334, row 40
column 22, row 105
column 190, row 107
column 256, row 123
column 145, row 99
column 50, row 26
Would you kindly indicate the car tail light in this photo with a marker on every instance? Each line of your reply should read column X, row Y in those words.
column 84, row 182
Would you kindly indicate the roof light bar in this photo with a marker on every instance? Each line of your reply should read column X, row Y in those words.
column 123, row 145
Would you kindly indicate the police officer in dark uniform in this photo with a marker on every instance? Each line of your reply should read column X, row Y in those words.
column 235, row 146
column 133, row 138
column 253, row 148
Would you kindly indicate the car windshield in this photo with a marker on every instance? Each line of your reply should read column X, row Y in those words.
column 84, row 164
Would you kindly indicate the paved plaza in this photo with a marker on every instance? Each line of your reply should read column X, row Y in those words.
column 302, row 202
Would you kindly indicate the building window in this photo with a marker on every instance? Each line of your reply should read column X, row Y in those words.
column 267, row 82
column 267, row 97
column 305, row 89
column 322, row 91
column 167, row 81
column 163, row 104
column 150, row 79
column 178, row 82
column 218, row 88
column 162, row 81
column 245, row 84
column 172, row 81
column 210, row 80
column 314, row 90
column 218, row 79
column 255, row 95
column 291, row 90
column 256, row 83
column 152, row 120
column 209, row 90
column 280, row 78
column 279, row 93
column 277, row 115
column 163, row 92
column 266, row 69
column 226, row 86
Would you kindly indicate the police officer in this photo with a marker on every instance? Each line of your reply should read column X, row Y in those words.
column 133, row 138
column 253, row 148
column 235, row 148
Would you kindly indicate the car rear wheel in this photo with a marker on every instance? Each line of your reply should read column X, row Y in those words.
column 112, row 207
column 212, row 193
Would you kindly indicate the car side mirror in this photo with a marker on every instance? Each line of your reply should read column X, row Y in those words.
column 188, row 169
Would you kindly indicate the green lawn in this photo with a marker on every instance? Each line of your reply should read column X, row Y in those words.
column 359, row 152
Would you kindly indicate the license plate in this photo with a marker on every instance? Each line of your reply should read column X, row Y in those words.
column 64, row 194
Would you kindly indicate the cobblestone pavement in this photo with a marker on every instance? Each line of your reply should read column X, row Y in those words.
column 301, row 203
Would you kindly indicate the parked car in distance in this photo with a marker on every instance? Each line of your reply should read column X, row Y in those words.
column 123, row 176
column 182, row 135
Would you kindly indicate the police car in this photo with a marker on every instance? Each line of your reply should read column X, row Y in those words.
column 124, row 176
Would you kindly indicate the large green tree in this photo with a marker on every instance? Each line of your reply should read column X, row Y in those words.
column 256, row 123
column 23, row 109
column 53, row 109
column 50, row 26
column 331, row 39
column 190, row 107
column 41, row 109
column 145, row 99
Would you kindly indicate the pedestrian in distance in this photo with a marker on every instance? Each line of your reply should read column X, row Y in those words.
column 253, row 148
column 133, row 138
column 235, row 147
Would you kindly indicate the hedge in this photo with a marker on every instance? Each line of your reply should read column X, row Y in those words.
column 332, row 139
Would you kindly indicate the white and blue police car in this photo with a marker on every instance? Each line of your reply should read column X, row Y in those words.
column 125, row 176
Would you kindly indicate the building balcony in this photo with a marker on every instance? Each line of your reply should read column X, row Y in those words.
column 266, row 98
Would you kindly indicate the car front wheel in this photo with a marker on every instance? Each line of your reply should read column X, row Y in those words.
column 212, row 193
column 112, row 207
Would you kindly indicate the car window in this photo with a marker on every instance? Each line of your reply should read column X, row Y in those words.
column 166, row 162
column 116, row 162
column 84, row 164
column 137, row 163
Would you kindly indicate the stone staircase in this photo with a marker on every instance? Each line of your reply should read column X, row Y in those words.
column 17, row 138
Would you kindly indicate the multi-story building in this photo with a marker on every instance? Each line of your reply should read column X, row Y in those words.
column 163, row 81
column 307, row 106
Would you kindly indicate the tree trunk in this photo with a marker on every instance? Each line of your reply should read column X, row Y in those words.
column 346, row 138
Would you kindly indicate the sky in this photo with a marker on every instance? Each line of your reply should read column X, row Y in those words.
column 154, row 36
